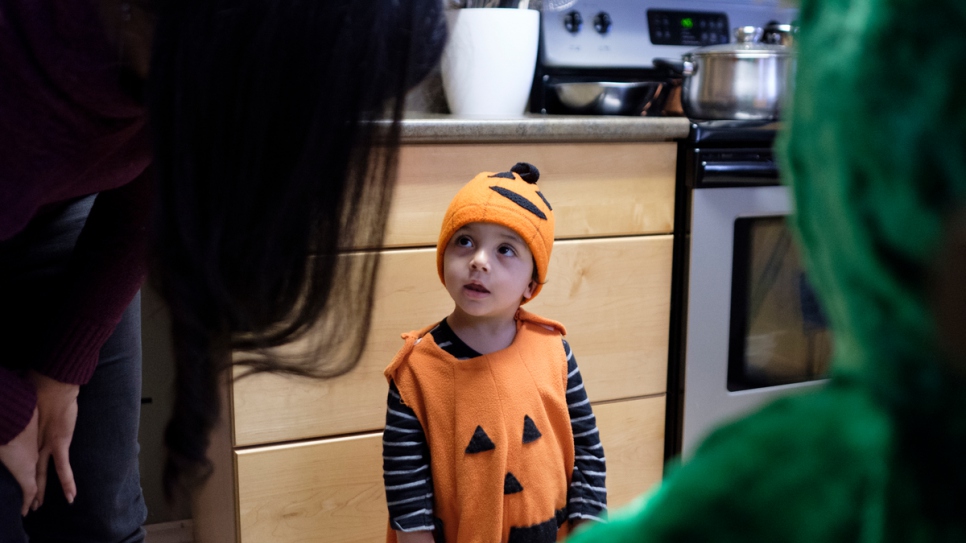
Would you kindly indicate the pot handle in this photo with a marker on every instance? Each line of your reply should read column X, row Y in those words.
column 676, row 67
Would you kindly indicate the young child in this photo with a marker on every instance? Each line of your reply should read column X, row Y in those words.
column 489, row 433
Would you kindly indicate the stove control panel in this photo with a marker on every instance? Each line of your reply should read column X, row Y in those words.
column 594, row 34
column 602, row 22
column 573, row 21
column 693, row 28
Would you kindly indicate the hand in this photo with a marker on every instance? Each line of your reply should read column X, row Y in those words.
column 20, row 458
column 422, row 536
column 57, row 407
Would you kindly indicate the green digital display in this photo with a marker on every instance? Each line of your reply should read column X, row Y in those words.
column 687, row 22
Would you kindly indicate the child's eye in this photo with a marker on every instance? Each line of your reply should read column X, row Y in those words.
column 464, row 241
column 506, row 250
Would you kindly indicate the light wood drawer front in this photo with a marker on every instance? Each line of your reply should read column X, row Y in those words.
column 596, row 189
column 332, row 490
column 321, row 491
column 613, row 295
column 632, row 432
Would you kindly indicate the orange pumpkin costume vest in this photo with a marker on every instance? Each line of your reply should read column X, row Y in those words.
column 498, row 429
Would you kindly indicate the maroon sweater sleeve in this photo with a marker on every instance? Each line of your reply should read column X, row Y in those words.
column 69, row 129
column 106, row 271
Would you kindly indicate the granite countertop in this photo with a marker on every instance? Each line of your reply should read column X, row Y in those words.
column 535, row 128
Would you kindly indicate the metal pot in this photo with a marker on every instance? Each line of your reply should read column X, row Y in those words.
column 746, row 80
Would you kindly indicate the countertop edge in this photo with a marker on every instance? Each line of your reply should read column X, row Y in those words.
column 543, row 128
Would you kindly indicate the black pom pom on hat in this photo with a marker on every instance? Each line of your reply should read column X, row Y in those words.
column 527, row 172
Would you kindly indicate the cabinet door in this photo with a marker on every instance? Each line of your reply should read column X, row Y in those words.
column 612, row 294
column 632, row 432
column 332, row 490
column 596, row 189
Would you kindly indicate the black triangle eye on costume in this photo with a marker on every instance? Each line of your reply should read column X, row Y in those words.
column 479, row 442
column 530, row 432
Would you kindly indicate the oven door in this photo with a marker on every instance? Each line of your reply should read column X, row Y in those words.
column 753, row 328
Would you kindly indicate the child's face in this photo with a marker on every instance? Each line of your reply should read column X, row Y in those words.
column 488, row 270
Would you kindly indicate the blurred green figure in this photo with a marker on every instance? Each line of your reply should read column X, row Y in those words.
column 875, row 151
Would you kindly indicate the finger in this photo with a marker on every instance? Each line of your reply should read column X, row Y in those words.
column 41, row 480
column 29, row 489
column 64, row 472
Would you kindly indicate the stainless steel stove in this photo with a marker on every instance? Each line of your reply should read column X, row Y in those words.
column 746, row 326
column 596, row 56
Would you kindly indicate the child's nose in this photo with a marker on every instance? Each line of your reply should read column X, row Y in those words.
column 480, row 261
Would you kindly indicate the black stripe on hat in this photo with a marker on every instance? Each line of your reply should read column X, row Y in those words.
column 544, row 198
column 503, row 175
column 519, row 200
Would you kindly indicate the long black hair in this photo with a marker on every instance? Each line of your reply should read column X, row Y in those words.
column 270, row 164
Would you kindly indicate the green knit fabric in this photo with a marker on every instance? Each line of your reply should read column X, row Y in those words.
column 875, row 152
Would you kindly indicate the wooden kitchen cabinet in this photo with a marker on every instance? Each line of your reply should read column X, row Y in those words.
column 626, row 280
column 596, row 189
column 300, row 460
column 331, row 489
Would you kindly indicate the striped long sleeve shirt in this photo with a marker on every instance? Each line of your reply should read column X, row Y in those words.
column 406, row 460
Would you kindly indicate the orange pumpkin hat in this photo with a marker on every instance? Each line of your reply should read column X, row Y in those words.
column 511, row 199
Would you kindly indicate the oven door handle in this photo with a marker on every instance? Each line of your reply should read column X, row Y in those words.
column 754, row 172
column 739, row 169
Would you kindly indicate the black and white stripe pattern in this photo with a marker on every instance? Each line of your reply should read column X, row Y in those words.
column 587, row 497
column 405, row 468
column 409, row 488
column 447, row 340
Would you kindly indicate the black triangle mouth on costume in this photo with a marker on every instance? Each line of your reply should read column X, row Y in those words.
column 544, row 531
column 519, row 200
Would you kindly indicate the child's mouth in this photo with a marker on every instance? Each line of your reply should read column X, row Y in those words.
column 476, row 287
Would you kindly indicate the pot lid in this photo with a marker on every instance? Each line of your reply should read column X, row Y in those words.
column 747, row 45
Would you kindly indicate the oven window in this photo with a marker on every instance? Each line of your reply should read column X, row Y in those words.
column 778, row 332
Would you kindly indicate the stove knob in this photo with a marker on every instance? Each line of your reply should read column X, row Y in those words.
column 602, row 22
column 572, row 22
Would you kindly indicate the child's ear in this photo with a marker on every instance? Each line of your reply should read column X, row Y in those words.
column 527, row 294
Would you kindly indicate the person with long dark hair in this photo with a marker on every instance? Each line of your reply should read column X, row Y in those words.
column 232, row 147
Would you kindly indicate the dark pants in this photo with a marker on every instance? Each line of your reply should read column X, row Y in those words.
column 104, row 451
